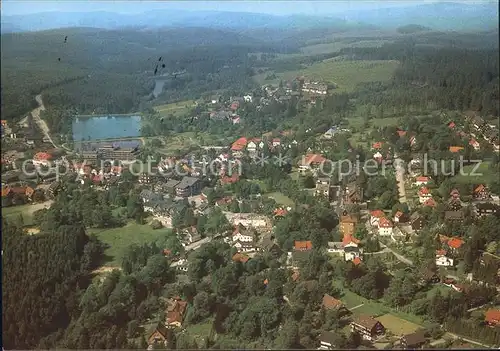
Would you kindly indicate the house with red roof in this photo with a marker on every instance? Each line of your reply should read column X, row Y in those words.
column 451, row 125
column 302, row 245
column 240, row 144
column 378, row 145
column 475, row 144
column 424, row 194
column 455, row 244
column 480, row 192
column 280, row 212
column 400, row 217
column 310, row 161
column 276, row 142
column 357, row 261
column 230, row 180
column 385, row 227
column 430, row 203
column 422, row 180
column 42, row 158
column 492, row 317
column 240, row 257
column 375, row 216
column 455, row 149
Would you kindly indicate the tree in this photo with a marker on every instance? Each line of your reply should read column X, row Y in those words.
column 308, row 181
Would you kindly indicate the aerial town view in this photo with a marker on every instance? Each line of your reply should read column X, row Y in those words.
column 250, row 175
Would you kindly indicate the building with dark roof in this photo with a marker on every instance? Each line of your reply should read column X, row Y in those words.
column 188, row 186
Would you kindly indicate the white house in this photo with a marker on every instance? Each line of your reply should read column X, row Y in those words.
column 243, row 236
column 442, row 260
column 385, row 227
column 378, row 156
column 181, row 265
column 375, row 217
column 424, row 194
column 251, row 146
column 330, row 133
column 244, row 246
column 335, row 247
column 248, row 98
column 419, row 181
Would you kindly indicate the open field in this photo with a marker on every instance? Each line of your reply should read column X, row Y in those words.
column 281, row 198
column 346, row 74
column 468, row 178
column 397, row 325
column 176, row 108
column 120, row 238
column 326, row 48
column 13, row 212
column 200, row 331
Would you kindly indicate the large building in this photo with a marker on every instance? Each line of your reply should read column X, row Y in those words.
column 188, row 186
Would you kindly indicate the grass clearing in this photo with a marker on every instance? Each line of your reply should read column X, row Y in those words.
column 396, row 325
column 26, row 211
column 119, row 239
column 326, row 48
column 177, row 108
column 346, row 74
column 468, row 177
column 280, row 198
column 200, row 331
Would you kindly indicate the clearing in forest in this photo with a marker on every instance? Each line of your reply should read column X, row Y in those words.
column 345, row 74
column 396, row 325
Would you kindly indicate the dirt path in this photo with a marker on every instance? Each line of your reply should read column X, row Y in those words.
column 40, row 122
column 39, row 206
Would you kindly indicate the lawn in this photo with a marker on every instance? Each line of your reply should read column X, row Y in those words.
column 326, row 48
column 176, row 108
column 13, row 212
column 346, row 74
column 119, row 239
column 281, row 199
column 467, row 177
column 200, row 331
column 396, row 325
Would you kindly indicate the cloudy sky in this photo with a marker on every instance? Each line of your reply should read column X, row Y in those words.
column 318, row 7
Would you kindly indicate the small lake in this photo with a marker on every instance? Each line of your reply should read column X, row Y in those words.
column 105, row 127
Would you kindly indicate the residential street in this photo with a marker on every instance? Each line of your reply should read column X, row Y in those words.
column 400, row 172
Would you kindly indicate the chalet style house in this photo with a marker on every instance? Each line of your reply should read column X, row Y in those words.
column 327, row 341
column 353, row 194
column 368, row 327
column 160, row 336
column 413, row 341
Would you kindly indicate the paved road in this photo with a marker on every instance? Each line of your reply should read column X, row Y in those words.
column 40, row 122
column 400, row 171
column 398, row 256
column 456, row 336
column 197, row 244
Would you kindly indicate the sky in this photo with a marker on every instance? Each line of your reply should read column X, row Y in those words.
column 276, row 7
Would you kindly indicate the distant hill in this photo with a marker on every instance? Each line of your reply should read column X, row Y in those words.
column 437, row 16
column 152, row 19
column 412, row 28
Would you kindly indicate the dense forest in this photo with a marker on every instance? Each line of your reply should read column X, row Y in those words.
column 112, row 71
column 448, row 78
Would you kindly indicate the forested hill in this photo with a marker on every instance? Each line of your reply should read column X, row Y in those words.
column 98, row 61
